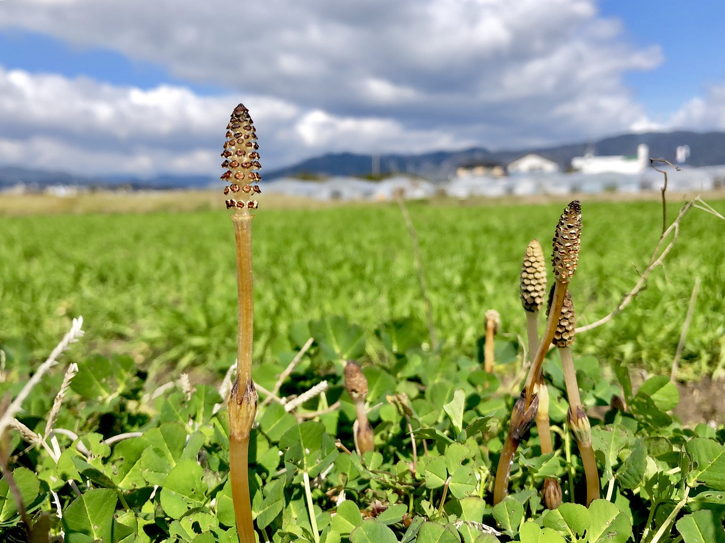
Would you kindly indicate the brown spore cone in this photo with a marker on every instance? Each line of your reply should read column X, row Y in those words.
column 355, row 381
column 533, row 278
column 241, row 160
column 567, row 240
column 566, row 327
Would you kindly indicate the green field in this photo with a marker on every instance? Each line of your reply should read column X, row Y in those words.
column 161, row 286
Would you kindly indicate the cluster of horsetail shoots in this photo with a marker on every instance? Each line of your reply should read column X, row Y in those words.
column 493, row 322
column 565, row 257
column 241, row 164
column 357, row 387
column 577, row 418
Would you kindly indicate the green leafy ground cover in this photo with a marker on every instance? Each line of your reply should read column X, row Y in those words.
column 166, row 480
column 161, row 286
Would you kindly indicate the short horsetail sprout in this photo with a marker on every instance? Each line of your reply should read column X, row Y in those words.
column 551, row 488
column 493, row 322
column 532, row 287
column 357, row 387
column 241, row 162
column 564, row 260
column 578, row 420
column 552, row 493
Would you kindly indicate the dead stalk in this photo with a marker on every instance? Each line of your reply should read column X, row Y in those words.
column 493, row 321
column 419, row 268
column 685, row 328
column 288, row 371
column 663, row 190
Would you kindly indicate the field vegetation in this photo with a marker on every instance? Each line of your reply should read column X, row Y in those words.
column 128, row 439
column 161, row 286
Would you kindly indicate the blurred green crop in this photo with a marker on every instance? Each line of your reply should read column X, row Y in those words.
column 162, row 286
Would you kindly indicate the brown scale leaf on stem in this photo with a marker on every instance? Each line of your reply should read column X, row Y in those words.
column 522, row 417
column 533, row 277
column 242, row 410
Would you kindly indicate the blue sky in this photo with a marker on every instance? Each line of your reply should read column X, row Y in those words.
column 691, row 38
column 131, row 86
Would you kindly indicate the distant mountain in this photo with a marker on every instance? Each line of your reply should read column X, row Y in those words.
column 707, row 149
column 39, row 179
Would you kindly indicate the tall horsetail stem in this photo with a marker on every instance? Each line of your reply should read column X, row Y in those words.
column 578, row 421
column 564, row 260
column 241, row 164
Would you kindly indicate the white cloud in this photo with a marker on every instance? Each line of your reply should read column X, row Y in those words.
column 324, row 75
column 323, row 132
column 700, row 113
column 53, row 122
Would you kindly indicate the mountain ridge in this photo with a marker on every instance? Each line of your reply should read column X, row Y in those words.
column 707, row 149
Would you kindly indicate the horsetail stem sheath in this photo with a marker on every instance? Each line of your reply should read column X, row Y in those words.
column 493, row 322
column 564, row 260
column 357, row 387
column 241, row 164
column 542, row 418
column 577, row 418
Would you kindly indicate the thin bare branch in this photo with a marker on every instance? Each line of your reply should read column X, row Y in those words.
column 685, row 328
column 657, row 258
column 71, row 337
column 316, row 390
column 268, row 393
column 121, row 437
column 314, row 414
column 288, row 371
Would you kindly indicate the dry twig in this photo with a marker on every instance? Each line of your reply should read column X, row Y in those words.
column 419, row 268
column 316, row 390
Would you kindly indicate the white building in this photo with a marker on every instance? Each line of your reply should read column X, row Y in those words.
column 532, row 163
column 613, row 164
